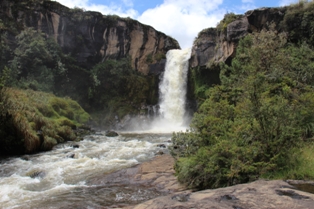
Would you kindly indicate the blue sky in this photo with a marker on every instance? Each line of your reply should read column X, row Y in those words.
column 181, row 19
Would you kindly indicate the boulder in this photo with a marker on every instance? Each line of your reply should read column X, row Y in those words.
column 111, row 134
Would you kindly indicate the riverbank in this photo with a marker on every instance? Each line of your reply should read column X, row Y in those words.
column 159, row 174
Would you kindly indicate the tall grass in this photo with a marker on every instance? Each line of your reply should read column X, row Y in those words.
column 31, row 121
column 302, row 168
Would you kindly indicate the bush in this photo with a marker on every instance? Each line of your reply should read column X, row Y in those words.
column 299, row 21
column 228, row 18
column 250, row 125
column 31, row 121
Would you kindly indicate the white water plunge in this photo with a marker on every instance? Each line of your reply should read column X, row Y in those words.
column 173, row 90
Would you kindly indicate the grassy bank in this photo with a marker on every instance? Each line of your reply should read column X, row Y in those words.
column 302, row 168
column 32, row 121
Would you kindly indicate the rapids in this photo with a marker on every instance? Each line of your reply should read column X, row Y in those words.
column 61, row 176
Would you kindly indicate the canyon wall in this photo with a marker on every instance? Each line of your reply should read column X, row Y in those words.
column 214, row 45
column 91, row 37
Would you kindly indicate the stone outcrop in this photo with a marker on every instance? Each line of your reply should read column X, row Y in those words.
column 215, row 45
column 90, row 36
column 158, row 175
column 260, row 194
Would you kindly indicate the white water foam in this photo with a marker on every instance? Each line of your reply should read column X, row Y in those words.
column 96, row 155
column 173, row 92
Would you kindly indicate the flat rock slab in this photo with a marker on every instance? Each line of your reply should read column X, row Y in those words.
column 157, row 173
column 260, row 194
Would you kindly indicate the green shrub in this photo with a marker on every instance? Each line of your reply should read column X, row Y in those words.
column 228, row 18
column 299, row 22
column 251, row 124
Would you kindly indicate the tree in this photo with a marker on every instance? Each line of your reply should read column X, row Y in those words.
column 250, row 123
column 33, row 65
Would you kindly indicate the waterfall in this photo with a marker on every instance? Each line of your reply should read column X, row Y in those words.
column 173, row 88
column 170, row 114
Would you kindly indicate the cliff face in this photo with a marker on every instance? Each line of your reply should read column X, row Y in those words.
column 213, row 45
column 90, row 36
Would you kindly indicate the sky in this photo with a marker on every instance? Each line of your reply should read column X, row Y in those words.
column 180, row 19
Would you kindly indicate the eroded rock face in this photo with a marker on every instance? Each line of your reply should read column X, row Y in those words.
column 90, row 36
column 204, row 47
column 212, row 45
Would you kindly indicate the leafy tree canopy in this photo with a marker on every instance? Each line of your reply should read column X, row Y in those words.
column 251, row 123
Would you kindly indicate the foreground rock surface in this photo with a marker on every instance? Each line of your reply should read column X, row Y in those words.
column 157, row 173
column 259, row 194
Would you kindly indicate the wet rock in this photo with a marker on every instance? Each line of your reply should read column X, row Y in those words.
column 292, row 194
column 25, row 157
column 161, row 146
column 302, row 185
column 85, row 127
column 159, row 153
column 111, row 134
column 71, row 155
column 36, row 174
column 81, row 132
column 157, row 68
column 75, row 146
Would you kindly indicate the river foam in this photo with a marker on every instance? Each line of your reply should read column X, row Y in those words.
column 63, row 172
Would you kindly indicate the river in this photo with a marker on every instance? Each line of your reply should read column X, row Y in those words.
column 60, row 178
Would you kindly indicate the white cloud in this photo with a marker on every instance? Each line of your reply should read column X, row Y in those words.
column 104, row 9
column 73, row 3
column 128, row 3
column 181, row 19
column 113, row 9
column 287, row 2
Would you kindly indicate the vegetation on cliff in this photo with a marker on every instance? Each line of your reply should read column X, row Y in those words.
column 38, row 63
column 117, row 89
column 259, row 122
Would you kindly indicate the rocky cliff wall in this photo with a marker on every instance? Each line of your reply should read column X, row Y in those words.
column 90, row 36
column 215, row 45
